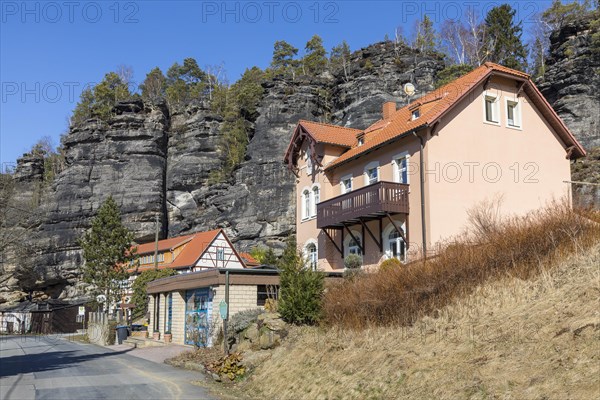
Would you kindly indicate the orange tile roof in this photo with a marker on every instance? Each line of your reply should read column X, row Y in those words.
column 331, row 134
column 166, row 244
column 195, row 246
column 436, row 103
column 249, row 260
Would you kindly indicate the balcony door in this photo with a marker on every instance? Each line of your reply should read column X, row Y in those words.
column 394, row 246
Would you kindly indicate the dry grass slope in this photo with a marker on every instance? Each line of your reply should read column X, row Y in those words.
column 509, row 339
column 520, row 247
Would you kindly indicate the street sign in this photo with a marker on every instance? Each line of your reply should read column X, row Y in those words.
column 223, row 309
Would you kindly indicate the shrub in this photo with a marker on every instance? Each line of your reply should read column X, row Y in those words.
column 301, row 288
column 520, row 247
column 389, row 264
column 353, row 261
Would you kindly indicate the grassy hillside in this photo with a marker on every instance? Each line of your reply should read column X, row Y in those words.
column 510, row 339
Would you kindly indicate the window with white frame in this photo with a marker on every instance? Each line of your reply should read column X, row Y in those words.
column 161, row 257
column 401, row 166
column 415, row 114
column 315, row 200
column 491, row 112
column 396, row 247
column 220, row 254
column 371, row 173
column 353, row 246
column 513, row 113
column 346, row 184
column 306, row 204
column 312, row 256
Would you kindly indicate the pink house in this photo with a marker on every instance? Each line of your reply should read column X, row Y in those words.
column 404, row 185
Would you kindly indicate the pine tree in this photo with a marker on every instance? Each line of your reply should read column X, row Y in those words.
column 559, row 14
column 107, row 93
column 100, row 100
column 301, row 288
column 154, row 86
column 185, row 82
column 283, row 56
column 315, row 60
column 503, row 41
column 106, row 250
column 340, row 57
column 426, row 39
column 83, row 109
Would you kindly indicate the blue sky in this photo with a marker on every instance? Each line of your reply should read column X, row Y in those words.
column 50, row 50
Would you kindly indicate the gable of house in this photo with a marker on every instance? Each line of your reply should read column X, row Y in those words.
column 211, row 249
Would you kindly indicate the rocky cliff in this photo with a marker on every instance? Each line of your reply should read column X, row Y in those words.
column 156, row 162
column 572, row 80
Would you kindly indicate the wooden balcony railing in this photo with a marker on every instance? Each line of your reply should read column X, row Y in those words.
column 369, row 202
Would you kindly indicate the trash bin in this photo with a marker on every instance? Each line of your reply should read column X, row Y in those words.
column 121, row 333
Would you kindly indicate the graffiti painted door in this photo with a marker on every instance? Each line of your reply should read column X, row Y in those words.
column 197, row 317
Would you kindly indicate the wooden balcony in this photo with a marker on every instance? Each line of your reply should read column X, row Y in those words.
column 369, row 202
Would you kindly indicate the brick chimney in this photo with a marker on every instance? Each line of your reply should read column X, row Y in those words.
column 389, row 108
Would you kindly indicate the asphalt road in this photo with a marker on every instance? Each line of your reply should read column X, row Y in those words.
column 46, row 367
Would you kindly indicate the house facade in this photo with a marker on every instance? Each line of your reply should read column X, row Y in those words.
column 188, row 305
column 405, row 185
column 189, row 253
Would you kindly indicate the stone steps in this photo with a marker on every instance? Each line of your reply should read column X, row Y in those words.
column 138, row 343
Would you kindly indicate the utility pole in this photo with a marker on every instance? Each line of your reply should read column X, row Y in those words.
column 156, row 242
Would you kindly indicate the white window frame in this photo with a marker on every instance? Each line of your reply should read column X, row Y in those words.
column 495, row 108
column 312, row 264
column 370, row 166
column 220, row 254
column 309, row 165
column 349, row 239
column 386, row 237
column 343, row 189
column 518, row 114
column 305, row 200
column 406, row 156
column 314, row 200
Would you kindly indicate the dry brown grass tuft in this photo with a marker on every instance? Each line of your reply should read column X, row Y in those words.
column 508, row 339
column 521, row 247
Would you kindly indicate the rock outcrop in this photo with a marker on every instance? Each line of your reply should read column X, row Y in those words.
column 572, row 79
column 156, row 161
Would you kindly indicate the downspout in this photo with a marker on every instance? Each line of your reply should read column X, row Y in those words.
column 422, row 179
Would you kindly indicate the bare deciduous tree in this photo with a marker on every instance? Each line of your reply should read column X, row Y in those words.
column 215, row 74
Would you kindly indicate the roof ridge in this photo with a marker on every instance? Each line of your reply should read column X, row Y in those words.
column 329, row 125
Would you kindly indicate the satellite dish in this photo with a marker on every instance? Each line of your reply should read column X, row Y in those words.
column 409, row 89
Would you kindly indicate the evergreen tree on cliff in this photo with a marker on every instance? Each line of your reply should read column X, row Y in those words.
column 106, row 250
column 315, row 60
column 426, row 40
column 98, row 102
column 504, row 45
column 283, row 57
